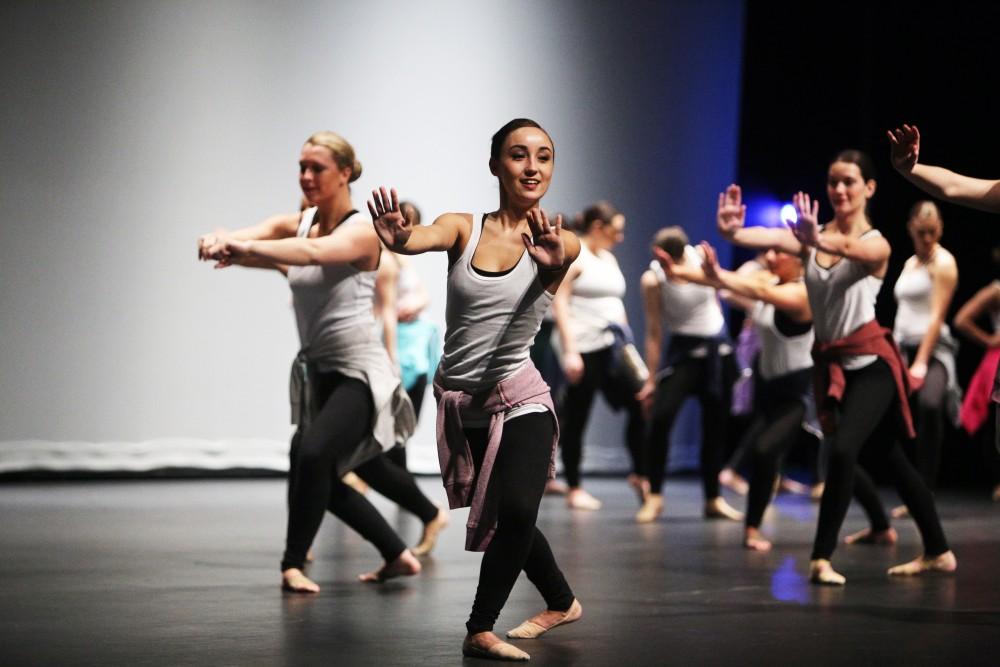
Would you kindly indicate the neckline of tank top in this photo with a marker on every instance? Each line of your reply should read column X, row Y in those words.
column 313, row 222
column 483, row 273
column 839, row 259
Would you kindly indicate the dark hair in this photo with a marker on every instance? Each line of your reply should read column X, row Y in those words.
column 860, row 158
column 496, row 143
column 672, row 240
column 408, row 204
column 602, row 211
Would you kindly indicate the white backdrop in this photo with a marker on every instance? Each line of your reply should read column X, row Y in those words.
column 130, row 128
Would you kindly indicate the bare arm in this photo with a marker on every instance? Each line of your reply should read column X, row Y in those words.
column 570, row 359
column 904, row 144
column 731, row 217
column 386, row 284
column 653, row 339
column 873, row 251
column 353, row 245
column 944, row 279
column 985, row 300
column 448, row 232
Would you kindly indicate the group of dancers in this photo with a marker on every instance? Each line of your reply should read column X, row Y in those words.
column 498, row 427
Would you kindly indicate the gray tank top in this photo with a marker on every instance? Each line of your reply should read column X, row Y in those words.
column 490, row 321
column 330, row 299
column 842, row 299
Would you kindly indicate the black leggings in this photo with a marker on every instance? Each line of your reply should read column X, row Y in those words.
column 519, row 475
column 336, row 430
column 779, row 429
column 868, row 400
column 574, row 410
column 928, row 406
column 689, row 378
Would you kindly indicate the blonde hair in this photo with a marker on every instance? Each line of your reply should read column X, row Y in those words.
column 672, row 240
column 924, row 210
column 342, row 151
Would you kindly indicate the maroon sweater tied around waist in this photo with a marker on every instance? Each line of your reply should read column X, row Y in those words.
column 828, row 373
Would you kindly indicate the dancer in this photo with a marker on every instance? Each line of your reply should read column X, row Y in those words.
column 497, row 427
column 858, row 367
column 591, row 322
column 698, row 363
column 777, row 304
column 351, row 406
column 923, row 291
column 977, row 405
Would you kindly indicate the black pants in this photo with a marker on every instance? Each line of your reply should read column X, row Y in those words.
column 574, row 411
column 929, row 409
column 689, row 378
column 339, row 426
column 519, row 475
column 416, row 393
column 868, row 400
column 780, row 428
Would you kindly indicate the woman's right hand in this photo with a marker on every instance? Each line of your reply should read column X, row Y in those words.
column 208, row 242
column 732, row 212
column 645, row 396
column 390, row 224
column 572, row 364
column 904, row 148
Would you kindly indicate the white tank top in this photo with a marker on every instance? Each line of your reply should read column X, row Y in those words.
column 329, row 299
column 779, row 354
column 913, row 294
column 490, row 321
column 842, row 299
column 596, row 300
column 688, row 309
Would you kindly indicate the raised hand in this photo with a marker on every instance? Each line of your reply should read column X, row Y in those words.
column 390, row 223
column 545, row 245
column 665, row 261
column 806, row 229
column 710, row 266
column 732, row 212
column 904, row 147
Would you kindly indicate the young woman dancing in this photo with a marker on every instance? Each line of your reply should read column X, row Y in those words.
column 351, row 407
column 698, row 363
column 778, row 306
column 858, row 366
column 923, row 292
column 497, row 428
column 588, row 307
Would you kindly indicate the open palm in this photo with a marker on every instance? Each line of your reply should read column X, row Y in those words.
column 545, row 245
column 904, row 147
column 390, row 224
column 732, row 212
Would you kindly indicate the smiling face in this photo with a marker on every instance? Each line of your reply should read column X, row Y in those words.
column 524, row 166
column 319, row 176
column 847, row 189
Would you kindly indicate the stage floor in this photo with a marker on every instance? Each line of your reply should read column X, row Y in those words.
column 186, row 573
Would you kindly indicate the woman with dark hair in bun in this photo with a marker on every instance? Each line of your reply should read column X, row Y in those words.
column 592, row 327
column 347, row 398
column 860, row 378
column 497, row 428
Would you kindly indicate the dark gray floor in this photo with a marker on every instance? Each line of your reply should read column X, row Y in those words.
column 186, row 573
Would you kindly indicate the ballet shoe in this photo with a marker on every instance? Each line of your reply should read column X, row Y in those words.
column 718, row 508
column 651, row 509
column 789, row 485
column 531, row 629
column 640, row 485
column 578, row 499
column 498, row 650
column 431, row 531
column 946, row 562
column 821, row 572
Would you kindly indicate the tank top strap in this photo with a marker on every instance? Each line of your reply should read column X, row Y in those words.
column 306, row 221
column 478, row 220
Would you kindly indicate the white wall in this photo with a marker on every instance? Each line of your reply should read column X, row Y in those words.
column 130, row 128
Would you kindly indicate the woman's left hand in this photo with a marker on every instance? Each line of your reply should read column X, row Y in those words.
column 227, row 251
column 806, row 228
column 917, row 372
column 545, row 245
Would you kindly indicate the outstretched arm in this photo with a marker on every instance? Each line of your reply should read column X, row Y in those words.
column 731, row 217
column 347, row 246
column 276, row 227
column 985, row 300
column 448, row 232
column 872, row 251
column 904, row 151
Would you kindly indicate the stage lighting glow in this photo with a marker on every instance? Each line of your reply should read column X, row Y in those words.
column 788, row 215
